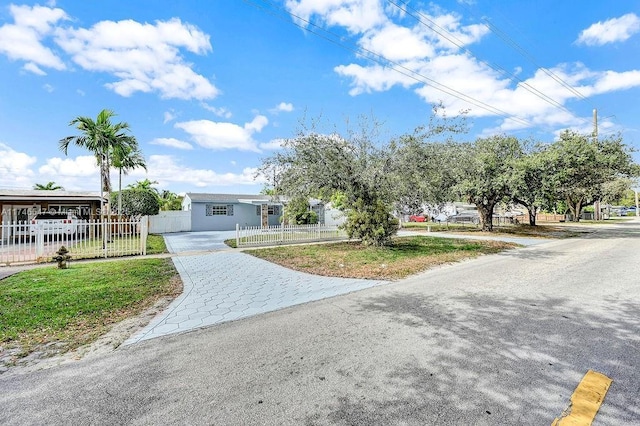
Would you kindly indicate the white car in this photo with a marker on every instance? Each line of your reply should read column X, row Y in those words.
column 54, row 224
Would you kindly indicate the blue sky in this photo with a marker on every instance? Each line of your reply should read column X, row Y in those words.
column 210, row 87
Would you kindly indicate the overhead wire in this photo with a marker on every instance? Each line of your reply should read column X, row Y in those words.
column 447, row 35
column 381, row 60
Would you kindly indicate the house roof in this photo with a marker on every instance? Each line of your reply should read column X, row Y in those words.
column 43, row 195
column 200, row 197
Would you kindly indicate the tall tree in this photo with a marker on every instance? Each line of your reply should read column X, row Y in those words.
column 145, row 185
column 100, row 137
column 531, row 184
column 316, row 164
column 582, row 166
column 487, row 173
column 425, row 162
column 49, row 186
column 127, row 157
column 170, row 201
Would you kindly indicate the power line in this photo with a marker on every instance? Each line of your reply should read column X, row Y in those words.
column 381, row 60
column 444, row 33
column 513, row 44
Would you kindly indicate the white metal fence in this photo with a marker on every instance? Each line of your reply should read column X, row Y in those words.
column 284, row 234
column 29, row 242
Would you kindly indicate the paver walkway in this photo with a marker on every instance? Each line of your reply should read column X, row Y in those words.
column 228, row 285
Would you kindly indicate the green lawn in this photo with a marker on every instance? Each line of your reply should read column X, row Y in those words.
column 74, row 306
column 406, row 256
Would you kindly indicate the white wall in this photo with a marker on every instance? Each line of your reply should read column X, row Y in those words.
column 170, row 221
column 333, row 216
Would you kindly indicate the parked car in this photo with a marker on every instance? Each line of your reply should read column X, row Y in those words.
column 466, row 217
column 417, row 218
column 442, row 217
column 54, row 224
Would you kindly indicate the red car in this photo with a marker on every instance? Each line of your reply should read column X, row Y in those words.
column 417, row 218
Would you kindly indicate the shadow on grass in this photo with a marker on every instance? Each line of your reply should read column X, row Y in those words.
column 492, row 361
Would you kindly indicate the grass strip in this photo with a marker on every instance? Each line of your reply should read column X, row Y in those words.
column 406, row 256
column 74, row 306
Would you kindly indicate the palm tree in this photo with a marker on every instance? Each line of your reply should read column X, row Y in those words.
column 126, row 158
column 145, row 185
column 49, row 186
column 170, row 201
column 100, row 137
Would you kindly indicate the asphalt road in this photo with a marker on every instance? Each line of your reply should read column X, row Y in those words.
column 499, row 340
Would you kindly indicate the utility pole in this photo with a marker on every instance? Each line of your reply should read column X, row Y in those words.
column 596, row 203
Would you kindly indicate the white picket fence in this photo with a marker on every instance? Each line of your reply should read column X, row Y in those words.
column 286, row 234
column 26, row 242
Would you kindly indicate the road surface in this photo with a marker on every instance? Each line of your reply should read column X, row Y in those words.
column 499, row 340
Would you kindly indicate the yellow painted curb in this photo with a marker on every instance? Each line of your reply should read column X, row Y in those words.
column 585, row 401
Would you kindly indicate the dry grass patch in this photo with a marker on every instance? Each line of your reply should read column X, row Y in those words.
column 406, row 256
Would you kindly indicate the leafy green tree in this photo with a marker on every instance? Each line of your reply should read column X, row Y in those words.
column 531, row 181
column 583, row 166
column 425, row 162
column 146, row 185
column 100, row 137
column 487, row 174
column 313, row 163
column 49, row 186
column 127, row 157
column 138, row 202
column 297, row 212
column 170, row 201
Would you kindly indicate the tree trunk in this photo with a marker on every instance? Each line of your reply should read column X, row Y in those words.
column 532, row 215
column 576, row 209
column 486, row 216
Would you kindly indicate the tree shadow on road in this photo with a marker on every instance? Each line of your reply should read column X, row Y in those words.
column 486, row 361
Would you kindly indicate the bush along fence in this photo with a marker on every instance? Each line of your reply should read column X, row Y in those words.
column 31, row 242
column 248, row 236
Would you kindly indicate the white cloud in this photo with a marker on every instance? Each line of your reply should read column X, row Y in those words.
column 272, row 145
column 610, row 31
column 144, row 57
column 31, row 67
column 219, row 111
column 356, row 16
column 397, row 43
column 168, row 116
column 171, row 142
column 15, row 167
column 432, row 59
column 165, row 170
column 49, row 88
column 282, row 107
column 22, row 40
column 81, row 166
column 220, row 135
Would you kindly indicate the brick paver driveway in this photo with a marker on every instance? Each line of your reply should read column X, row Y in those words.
column 223, row 285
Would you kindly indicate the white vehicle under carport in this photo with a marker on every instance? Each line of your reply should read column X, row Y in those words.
column 54, row 224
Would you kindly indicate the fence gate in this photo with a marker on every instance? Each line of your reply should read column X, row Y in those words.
column 32, row 242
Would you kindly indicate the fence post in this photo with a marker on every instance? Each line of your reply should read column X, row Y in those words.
column 282, row 232
column 39, row 241
column 144, row 233
column 237, row 235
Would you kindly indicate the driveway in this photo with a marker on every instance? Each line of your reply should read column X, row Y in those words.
column 221, row 284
